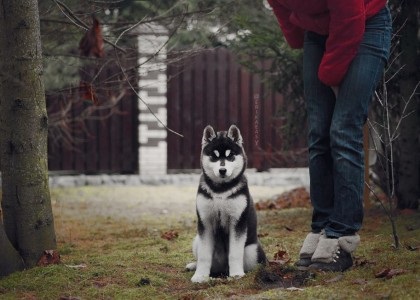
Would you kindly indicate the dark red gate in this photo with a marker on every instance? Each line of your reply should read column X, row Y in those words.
column 212, row 88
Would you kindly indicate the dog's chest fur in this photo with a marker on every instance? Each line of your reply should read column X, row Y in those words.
column 221, row 209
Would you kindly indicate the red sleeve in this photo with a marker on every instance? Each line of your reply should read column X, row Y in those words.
column 293, row 34
column 346, row 29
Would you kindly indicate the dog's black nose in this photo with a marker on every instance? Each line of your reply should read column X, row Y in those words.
column 222, row 171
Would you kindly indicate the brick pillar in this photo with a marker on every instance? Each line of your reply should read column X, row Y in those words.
column 152, row 86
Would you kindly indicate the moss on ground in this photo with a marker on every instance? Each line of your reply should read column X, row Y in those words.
column 107, row 257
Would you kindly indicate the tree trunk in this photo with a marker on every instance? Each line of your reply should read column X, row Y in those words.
column 26, row 204
column 10, row 260
column 408, row 190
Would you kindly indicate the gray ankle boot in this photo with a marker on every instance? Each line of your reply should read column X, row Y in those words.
column 308, row 248
column 334, row 254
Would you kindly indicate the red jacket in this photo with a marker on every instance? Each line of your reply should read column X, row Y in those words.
column 342, row 20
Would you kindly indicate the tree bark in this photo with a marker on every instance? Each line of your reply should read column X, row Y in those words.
column 10, row 260
column 408, row 190
column 26, row 204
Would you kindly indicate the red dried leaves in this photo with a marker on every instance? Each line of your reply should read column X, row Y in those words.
column 49, row 257
column 169, row 235
column 388, row 273
column 92, row 42
column 88, row 92
column 298, row 197
column 281, row 257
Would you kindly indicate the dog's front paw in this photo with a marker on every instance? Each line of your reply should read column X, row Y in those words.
column 237, row 275
column 191, row 266
column 198, row 278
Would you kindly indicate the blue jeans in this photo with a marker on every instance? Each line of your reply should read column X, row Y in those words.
column 335, row 125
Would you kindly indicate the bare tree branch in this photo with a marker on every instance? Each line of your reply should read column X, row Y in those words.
column 144, row 102
column 79, row 23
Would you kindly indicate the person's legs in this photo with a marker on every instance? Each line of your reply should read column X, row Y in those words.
column 320, row 102
column 346, row 132
column 334, row 249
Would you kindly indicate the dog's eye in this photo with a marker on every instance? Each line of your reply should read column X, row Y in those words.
column 216, row 153
column 230, row 155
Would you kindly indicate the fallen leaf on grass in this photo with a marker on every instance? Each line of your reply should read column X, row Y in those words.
column 280, row 258
column 49, row 257
column 288, row 228
column 389, row 273
column 382, row 273
column 281, row 255
column 395, row 272
column 169, row 235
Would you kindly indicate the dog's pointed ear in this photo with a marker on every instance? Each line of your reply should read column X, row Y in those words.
column 208, row 135
column 235, row 134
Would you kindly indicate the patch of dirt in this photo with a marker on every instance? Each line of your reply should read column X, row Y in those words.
column 278, row 276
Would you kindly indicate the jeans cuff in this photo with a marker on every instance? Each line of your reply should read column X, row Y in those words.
column 332, row 234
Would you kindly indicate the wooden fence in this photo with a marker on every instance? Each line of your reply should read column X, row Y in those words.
column 212, row 88
column 208, row 88
column 88, row 138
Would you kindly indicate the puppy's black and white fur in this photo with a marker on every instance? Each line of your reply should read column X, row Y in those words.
column 227, row 242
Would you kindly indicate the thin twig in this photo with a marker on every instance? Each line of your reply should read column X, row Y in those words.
column 379, row 200
column 128, row 29
column 392, row 62
column 140, row 98
column 376, row 132
column 379, row 98
column 72, row 17
column 395, row 74
column 404, row 115
column 389, row 166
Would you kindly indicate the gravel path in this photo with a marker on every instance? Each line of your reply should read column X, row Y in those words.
column 132, row 197
column 132, row 202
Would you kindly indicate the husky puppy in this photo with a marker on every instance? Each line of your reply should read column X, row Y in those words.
column 227, row 242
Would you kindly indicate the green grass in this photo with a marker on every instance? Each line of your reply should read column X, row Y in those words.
column 128, row 259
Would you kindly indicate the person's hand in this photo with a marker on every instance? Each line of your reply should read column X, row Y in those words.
column 335, row 90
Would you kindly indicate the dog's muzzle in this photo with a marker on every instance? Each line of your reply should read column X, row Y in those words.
column 222, row 172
